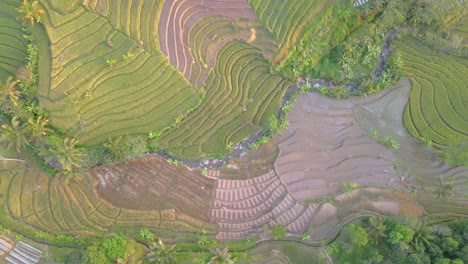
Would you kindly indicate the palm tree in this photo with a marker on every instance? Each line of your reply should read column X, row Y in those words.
column 37, row 127
column 423, row 234
column 65, row 154
column 376, row 228
column 444, row 189
column 115, row 147
column 161, row 254
column 31, row 12
column 9, row 90
column 14, row 134
column 220, row 256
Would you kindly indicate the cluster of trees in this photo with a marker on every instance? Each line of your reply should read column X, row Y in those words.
column 24, row 126
column 352, row 44
column 400, row 240
column 122, row 250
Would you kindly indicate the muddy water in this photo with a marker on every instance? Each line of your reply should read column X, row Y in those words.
column 417, row 164
column 323, row 147
column 327, row 143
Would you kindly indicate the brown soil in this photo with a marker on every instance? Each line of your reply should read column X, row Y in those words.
column 244, row 208
column 323, row 147
column 178, row 17
column 250, row 164
column 153, row 184
column 418, row 165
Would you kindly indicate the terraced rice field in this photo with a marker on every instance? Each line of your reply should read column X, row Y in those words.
column 193, row 31
column 417, row 165
column 438, row 104
column 34, row 199
column 244, row 208
column 240, row 94
column 153, row 184
column 12, row 44
column 324, row 147
column 18, row 252
column 287, row 19
column 136, row 96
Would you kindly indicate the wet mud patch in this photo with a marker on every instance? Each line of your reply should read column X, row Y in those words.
column 323, row 147
column 153, row 184
column 419, row 166
column 250, row 164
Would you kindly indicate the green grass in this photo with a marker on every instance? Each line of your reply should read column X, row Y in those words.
column 438, row 103
column 240, row 94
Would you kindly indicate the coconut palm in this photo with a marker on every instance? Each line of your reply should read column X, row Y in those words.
column 37, row 127
column 444, row 189
column 9, row 90
column 161, row 254
column 423, row 234
column 220, row 256
column 14, row 134
column 30, row 12
column 65, row 154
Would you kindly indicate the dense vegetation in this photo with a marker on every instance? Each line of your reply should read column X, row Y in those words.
column 86, row 83
column 401, row 240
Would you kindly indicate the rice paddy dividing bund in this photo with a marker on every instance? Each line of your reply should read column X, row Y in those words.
column 12, row 44
column 240, row 94
column 438, row 103
column 33, row 201
column 105, row 81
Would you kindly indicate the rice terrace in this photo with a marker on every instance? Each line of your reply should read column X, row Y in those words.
column 233, row 131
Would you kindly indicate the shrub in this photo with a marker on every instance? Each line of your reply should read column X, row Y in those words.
column 96, row 255
column 356, row 235
column 277, row 231
column 145, row 234
column 114, row 246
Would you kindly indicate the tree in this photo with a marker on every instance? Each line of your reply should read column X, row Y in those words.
column 37, row 127
column 356, row 235
column 444, row 189
column 9, row 90
column 31, row 12
column 161, row 254
column 220, row 256
column 400, row 234
column 376, row 228
column 65, row 153
column 14, row 134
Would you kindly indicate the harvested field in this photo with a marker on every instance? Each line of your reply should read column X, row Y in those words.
column 192, row 32
column 244, row 208
column 251, row 164
column 12, row 44
column 324, row 147
column 18, row 252
column 33, row 199
column 152, row 184
column 418, row 165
